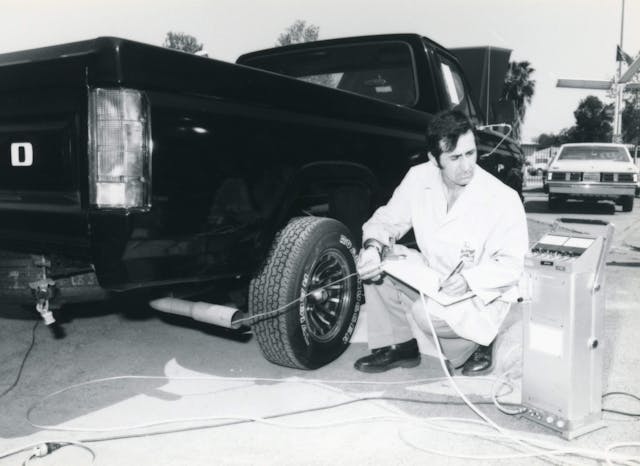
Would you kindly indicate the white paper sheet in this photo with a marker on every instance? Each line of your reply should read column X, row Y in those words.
column 422, row 278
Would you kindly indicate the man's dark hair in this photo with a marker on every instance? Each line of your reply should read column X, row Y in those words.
column 446, row 127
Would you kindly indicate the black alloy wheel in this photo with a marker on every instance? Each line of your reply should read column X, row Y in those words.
column 330, row 295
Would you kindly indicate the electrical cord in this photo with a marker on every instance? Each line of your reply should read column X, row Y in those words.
column 502, row 381
column 544, row 450
column 624, row 413
column 587, row 454
column 321, row 382
column 24, row 360
column 483, row 416
column 494, row 396
column 44, row 448
column 482, row 156
column 615, row 446
column 548, row 450
column 428, row 422
column 283, row 307
column 433, row 423
column 278, row 415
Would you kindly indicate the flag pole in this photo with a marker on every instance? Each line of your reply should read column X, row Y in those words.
column 617, row 122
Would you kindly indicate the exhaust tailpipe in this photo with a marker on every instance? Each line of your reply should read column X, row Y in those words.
column 215, row 314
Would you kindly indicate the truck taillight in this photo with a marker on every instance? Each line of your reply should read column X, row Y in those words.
column 119, row 149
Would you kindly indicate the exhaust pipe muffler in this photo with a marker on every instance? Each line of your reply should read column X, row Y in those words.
column 223, row 316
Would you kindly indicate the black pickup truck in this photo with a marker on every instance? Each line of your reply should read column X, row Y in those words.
column 126, row 166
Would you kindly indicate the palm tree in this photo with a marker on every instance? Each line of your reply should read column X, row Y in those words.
column 519, row 89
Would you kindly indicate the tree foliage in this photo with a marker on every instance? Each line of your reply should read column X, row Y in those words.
column 182, row 41
column 593, row 121
column 518, row 89
column 298, row 32
column 631, row 121
column 552, row 140
column 631, row 117
column 593, row 124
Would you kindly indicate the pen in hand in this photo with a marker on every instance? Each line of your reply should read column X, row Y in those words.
column 455, row 270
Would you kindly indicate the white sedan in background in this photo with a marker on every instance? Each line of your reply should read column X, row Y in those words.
column 592, row 172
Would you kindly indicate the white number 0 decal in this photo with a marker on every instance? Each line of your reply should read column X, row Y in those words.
column 24, row 157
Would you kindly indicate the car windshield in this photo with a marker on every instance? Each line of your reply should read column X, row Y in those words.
column 612, row 154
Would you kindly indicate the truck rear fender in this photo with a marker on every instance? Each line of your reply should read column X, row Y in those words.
column 338, row 189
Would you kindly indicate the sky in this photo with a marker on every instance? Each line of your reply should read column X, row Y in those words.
column 560, row 38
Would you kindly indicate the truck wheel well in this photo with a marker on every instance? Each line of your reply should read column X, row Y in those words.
column 343, row 191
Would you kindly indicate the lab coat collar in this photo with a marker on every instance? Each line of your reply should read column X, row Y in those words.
column 468, row 199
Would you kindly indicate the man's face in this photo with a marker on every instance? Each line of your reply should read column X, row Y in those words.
column 457, row 166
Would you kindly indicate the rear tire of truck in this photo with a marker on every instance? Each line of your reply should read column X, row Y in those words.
column 627, row 203
column 311, row 265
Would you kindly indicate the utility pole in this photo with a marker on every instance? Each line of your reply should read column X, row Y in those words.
column 617, row 118
column 620, row 82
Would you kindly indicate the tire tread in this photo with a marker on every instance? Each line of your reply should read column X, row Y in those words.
column 270, row 286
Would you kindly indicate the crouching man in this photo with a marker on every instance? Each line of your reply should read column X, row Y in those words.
column 470, row 229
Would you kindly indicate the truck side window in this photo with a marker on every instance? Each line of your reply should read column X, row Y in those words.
column 381, row 70
column 455, row 88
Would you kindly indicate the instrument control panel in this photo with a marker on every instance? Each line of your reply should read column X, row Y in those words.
column 561, row 245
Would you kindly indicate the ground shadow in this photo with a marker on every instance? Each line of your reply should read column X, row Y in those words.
column 18, row 312
column 242, row 334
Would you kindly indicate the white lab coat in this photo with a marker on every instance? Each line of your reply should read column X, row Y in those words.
column 487, row 219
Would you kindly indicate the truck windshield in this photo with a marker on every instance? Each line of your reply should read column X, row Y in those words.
column 383, row 71
column 613, row 154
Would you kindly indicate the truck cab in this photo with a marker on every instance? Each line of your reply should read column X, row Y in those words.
column 413, row 72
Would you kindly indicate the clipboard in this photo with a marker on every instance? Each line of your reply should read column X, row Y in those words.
column 422, row 278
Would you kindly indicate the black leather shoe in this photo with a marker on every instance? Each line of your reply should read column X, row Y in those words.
column 382, row 359
column 480, row 362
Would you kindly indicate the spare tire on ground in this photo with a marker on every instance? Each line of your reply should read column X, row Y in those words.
column 311, row 264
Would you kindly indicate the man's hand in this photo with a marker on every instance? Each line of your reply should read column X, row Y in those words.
column 369, row 263
column 455, row 285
